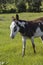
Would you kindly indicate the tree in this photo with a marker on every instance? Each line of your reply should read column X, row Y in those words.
column 3, row 4
column 21, row 5
column 34, row 5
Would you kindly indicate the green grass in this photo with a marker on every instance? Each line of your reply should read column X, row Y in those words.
column 11, row 50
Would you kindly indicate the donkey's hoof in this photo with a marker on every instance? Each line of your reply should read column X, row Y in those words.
column 35, row 52
column 23, row 55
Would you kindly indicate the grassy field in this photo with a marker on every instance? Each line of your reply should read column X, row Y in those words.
column 11, row 50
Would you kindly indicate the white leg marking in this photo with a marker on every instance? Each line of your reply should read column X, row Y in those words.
column 24, row 45
column 32, row 39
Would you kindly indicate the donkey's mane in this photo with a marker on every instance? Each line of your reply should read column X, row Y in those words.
column 23, row 21
column 30, row 21
column 38, row 20
column 33, row 21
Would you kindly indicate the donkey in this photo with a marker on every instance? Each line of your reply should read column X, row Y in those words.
column 28, row 29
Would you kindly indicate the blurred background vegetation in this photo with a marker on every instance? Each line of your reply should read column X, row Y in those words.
column 13, row 6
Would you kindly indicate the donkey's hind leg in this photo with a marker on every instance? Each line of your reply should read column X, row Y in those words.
column 32, row 40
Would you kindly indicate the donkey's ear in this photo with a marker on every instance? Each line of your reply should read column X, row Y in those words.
column 13, row 18
column 17, row 17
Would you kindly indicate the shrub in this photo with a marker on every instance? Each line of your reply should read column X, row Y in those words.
column 21, row 7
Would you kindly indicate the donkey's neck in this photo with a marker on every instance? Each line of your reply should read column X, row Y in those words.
column 21, row 23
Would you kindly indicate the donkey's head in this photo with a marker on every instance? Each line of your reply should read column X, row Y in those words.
column 14, row 27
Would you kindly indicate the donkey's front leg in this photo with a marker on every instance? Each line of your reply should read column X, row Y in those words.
column 32, row 40
column 24, row 45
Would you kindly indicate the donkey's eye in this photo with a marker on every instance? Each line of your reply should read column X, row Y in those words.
column 15, row 28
